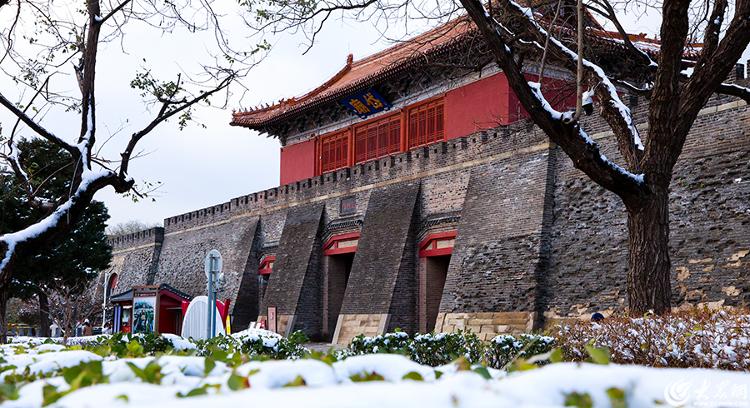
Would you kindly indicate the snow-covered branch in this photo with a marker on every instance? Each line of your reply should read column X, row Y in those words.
column 614, row 111
column 741, row 92
column 558, row 126
column 592, row 145
column 91, row 181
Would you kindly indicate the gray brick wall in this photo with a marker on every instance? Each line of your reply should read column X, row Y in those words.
column 534, row 233
column 383, row 273
column 295, row 287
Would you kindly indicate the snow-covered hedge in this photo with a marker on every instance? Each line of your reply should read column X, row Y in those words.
column 504, row 349
column 435, row 349
column 257, row 342
column 48, row 374
column 430, row 349
column 696, row 338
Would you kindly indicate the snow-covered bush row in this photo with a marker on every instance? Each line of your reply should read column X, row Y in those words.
column 257, row 342
column 437, row 349
column 51, row 375
column 253, row 342
column 44, row 374
column 695, row 338
column 504, row 349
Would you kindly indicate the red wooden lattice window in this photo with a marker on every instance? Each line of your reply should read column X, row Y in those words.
column 377, row 139
column 426, row 123
column 334, row 151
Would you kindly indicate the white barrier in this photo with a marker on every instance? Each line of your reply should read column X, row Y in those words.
column 196, row 318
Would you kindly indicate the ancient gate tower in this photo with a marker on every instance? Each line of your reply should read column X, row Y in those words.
column 415, row 195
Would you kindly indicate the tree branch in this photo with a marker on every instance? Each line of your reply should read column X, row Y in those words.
column 614, row 111
column 38, row 129
column 114, row 11
column 568, row 135
column 162, row 116
column 665, row 96
column 735, row 90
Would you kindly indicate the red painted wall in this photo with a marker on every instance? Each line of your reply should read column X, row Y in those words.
column 297, row 162
column 477, row 106
column 560, row 94
column 483, row 104
column 168, row 315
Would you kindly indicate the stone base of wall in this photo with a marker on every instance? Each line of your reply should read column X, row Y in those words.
column 350, row 326
column 486, row 325
column 283, row 326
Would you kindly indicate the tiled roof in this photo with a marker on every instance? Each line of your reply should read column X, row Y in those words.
column 364, row 73
column 358, row 74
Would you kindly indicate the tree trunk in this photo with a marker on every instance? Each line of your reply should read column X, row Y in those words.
column 43, row 315
column 649, row 267
column 3, row 314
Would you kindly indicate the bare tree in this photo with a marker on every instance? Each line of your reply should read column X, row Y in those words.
column 69, row 306
column 129, row 227
column 65, row 37
column 518, row 35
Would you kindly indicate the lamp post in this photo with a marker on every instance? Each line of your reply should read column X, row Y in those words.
column 105, row 289
column 213, row 278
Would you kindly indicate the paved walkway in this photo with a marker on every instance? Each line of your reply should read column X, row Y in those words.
column 323, row 347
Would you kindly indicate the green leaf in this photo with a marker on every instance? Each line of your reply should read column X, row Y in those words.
column 579, row 400
column 598, row 355
column 136, row 370
column 556, row 356
column 366, row 377
column 8, row 392
column 413, row 375
column 50, row 395
column 297, row 382
column 521, row 364
column 123, row 397
column 438, row 374
column 84, row 375
column 208, row 365
column 617, row 397
column 463, row 364
column 202, row 390
column 237, row 382
column 135, row 349
column 150, row 374
column 484, row 372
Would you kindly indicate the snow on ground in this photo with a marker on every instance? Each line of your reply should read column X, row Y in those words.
column 391, row 367
column 178, row 342
column 43, row 363
column 276, row 374
column 311, row 383
column 544, row 387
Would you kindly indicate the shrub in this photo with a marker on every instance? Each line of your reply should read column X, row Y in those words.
column 442, row 348
column 392, row 343
column 257, row 345
column 505, row 348
column 128, row 344
column 431, row 349
column 694, row 338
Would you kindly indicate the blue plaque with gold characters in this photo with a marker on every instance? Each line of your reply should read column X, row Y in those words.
column 366, row 103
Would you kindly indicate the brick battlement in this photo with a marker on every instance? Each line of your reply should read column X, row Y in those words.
column 414, row 162
column 147, row 237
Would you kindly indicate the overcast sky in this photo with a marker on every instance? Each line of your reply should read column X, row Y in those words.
column 201, row 167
